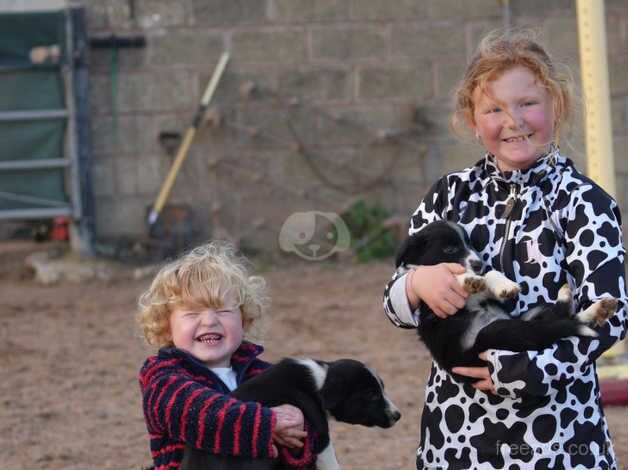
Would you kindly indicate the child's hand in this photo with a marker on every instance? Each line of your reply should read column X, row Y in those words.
column 438, row 287
column 289, row 426
column 485, row 382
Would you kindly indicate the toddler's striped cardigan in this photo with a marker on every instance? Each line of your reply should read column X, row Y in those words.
column 185, row 402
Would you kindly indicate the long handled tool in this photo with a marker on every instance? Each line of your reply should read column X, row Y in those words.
column 187, row 140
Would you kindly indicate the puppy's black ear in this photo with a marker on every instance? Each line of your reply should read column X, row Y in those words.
column 401, row 252
column 410, row 250
column 332, row 393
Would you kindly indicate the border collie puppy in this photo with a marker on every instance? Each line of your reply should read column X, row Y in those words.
column 345, row 389
column 483, row 323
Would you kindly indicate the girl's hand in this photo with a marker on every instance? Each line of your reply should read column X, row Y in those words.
column 438, row 287
column 288, row 426
column 485, row 383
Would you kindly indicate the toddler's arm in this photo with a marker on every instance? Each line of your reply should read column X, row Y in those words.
column 289, row 427
column 177, row 404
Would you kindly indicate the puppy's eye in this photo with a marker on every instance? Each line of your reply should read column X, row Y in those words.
column 450, row 250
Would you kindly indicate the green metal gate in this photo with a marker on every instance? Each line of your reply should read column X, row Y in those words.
column 45, row 157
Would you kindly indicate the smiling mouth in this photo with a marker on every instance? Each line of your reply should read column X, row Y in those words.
column 521, row 138
column 209, row 338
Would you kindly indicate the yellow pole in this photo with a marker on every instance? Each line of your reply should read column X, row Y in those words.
column 594, row 70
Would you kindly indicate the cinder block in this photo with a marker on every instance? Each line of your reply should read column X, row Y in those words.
column 119, row 14
column 125, row 171
column 135, row 134
column 616, row 38
column 384, row 9
column 296, row 174
column 458, row 155
column 96, row 15
column 620, row 151
column 226, row 12
column 267, row 125
column 355, row 126
column 121, row 216
column 421, row 42
column 561, row 37
column 185, row 48
column 142, row 92
column 618, row 76
column 315, row 84
column 349, row 43
column 437, row 115
column 618, row 114
column 229, row 90
column 103, row 177
column 408, row 82
column 158, row 13
column 150, row 175
column 145, row 92
column 269, row 46
column 127, row 59
column 541, row 8
column 477, row 31
column 100, row 94
column 448, row 76
column 445, row 9
column 311, row 10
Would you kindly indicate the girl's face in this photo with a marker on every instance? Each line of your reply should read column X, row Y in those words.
column 515, row 120
column 210, row 335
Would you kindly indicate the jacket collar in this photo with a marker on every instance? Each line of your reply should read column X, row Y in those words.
column 544, row 166
column 240, row 360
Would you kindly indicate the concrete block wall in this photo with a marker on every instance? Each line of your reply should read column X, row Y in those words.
column 379, row 65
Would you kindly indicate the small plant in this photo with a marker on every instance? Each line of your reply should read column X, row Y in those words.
column 370, row 239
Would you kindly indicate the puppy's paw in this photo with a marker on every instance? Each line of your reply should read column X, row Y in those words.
column 599, row 312
column 606, row 309
column 500, row 286
column 565, row 294
column 506, row 290
column 474, row 284
column 509, row 292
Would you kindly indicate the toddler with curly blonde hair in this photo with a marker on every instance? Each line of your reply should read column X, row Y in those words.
column 202, row 310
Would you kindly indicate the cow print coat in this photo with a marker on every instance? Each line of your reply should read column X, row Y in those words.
column 542, row 227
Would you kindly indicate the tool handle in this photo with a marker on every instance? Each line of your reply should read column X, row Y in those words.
column 213, row 83
column 164, row 192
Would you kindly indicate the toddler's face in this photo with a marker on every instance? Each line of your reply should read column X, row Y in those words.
column 516, row 120
column 210, row 335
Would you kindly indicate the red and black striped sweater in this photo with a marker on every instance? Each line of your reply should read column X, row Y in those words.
column 186, row 403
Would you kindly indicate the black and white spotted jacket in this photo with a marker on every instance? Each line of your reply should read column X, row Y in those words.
column 546, row 414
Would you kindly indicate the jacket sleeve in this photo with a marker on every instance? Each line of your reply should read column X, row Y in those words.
column 396, row 305
column 177, row 404
column 594, row 260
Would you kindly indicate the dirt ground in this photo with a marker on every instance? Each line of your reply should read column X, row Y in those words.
column 70, row 354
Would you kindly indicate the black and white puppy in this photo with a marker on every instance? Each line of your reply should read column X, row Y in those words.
column 345, row 389
column 483, row 323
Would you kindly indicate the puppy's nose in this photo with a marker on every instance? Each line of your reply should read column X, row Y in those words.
column 395, row 416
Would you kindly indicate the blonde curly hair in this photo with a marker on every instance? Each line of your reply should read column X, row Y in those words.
column 204, row 277
column 500, row 51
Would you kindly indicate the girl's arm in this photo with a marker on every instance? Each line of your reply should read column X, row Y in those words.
column 400, row 297
column 177, row 404
column 594, row 258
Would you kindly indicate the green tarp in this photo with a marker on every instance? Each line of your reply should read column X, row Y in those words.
column 25, row 86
